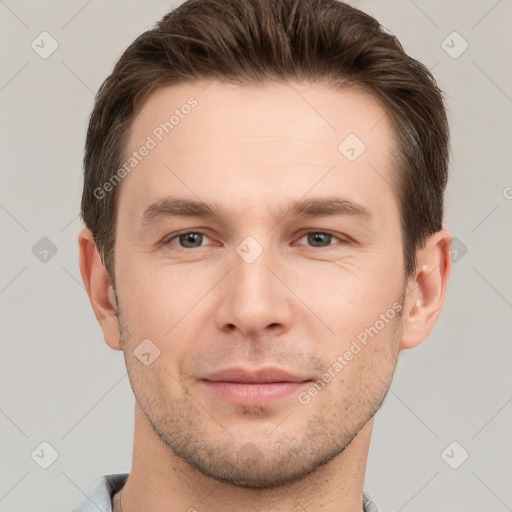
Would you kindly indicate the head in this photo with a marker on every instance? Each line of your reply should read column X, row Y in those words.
column 318, row 150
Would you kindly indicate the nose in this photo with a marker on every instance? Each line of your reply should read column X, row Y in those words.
column 256, row 299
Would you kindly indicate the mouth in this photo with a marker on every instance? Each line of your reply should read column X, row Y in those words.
column 254, row 387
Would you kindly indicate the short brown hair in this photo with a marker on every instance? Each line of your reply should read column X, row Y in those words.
column 258, row 41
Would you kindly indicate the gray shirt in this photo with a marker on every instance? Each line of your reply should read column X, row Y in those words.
column 100, row 499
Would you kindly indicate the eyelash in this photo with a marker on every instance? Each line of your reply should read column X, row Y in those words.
column 168, row 240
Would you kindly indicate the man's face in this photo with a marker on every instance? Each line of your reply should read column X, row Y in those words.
column 297, row 295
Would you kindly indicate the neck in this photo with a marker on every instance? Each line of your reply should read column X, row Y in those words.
column 160, row 481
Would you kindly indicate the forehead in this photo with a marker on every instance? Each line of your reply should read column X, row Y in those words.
column 220, row 109
column 256, row 141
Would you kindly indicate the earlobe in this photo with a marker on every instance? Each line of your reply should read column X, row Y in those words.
column 426, row 289
column 99, row 290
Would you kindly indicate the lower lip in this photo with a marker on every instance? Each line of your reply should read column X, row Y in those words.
column 254, row 394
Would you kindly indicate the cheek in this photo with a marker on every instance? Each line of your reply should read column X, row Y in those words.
column 162, row 304
column 154, row 299
column 350, row 294
column 162, row 300
column 362, row 308
column 363, row 364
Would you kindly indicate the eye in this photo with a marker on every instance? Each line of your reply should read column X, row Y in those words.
column 188, row 239
column 321, row 238
column 194, row 239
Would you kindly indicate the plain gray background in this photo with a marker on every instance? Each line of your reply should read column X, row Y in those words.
column 61, row 384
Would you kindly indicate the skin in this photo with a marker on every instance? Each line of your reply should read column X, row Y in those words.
column 254, row 149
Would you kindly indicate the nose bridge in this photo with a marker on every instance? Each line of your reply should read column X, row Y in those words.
column 251, row 273
column 253, row 281
column 256, row 298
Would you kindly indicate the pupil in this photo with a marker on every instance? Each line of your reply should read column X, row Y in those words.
column 189, row 237
column 317, row 237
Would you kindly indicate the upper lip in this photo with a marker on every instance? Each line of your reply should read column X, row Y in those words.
column 259, row 376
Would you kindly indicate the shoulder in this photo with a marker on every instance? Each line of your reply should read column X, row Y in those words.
column 102, row 493
column 368, row 503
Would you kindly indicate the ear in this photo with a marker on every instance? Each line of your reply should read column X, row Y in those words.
column 97, row 284
column 426, row 289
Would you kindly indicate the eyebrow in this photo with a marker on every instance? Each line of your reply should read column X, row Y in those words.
column 306, row 208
